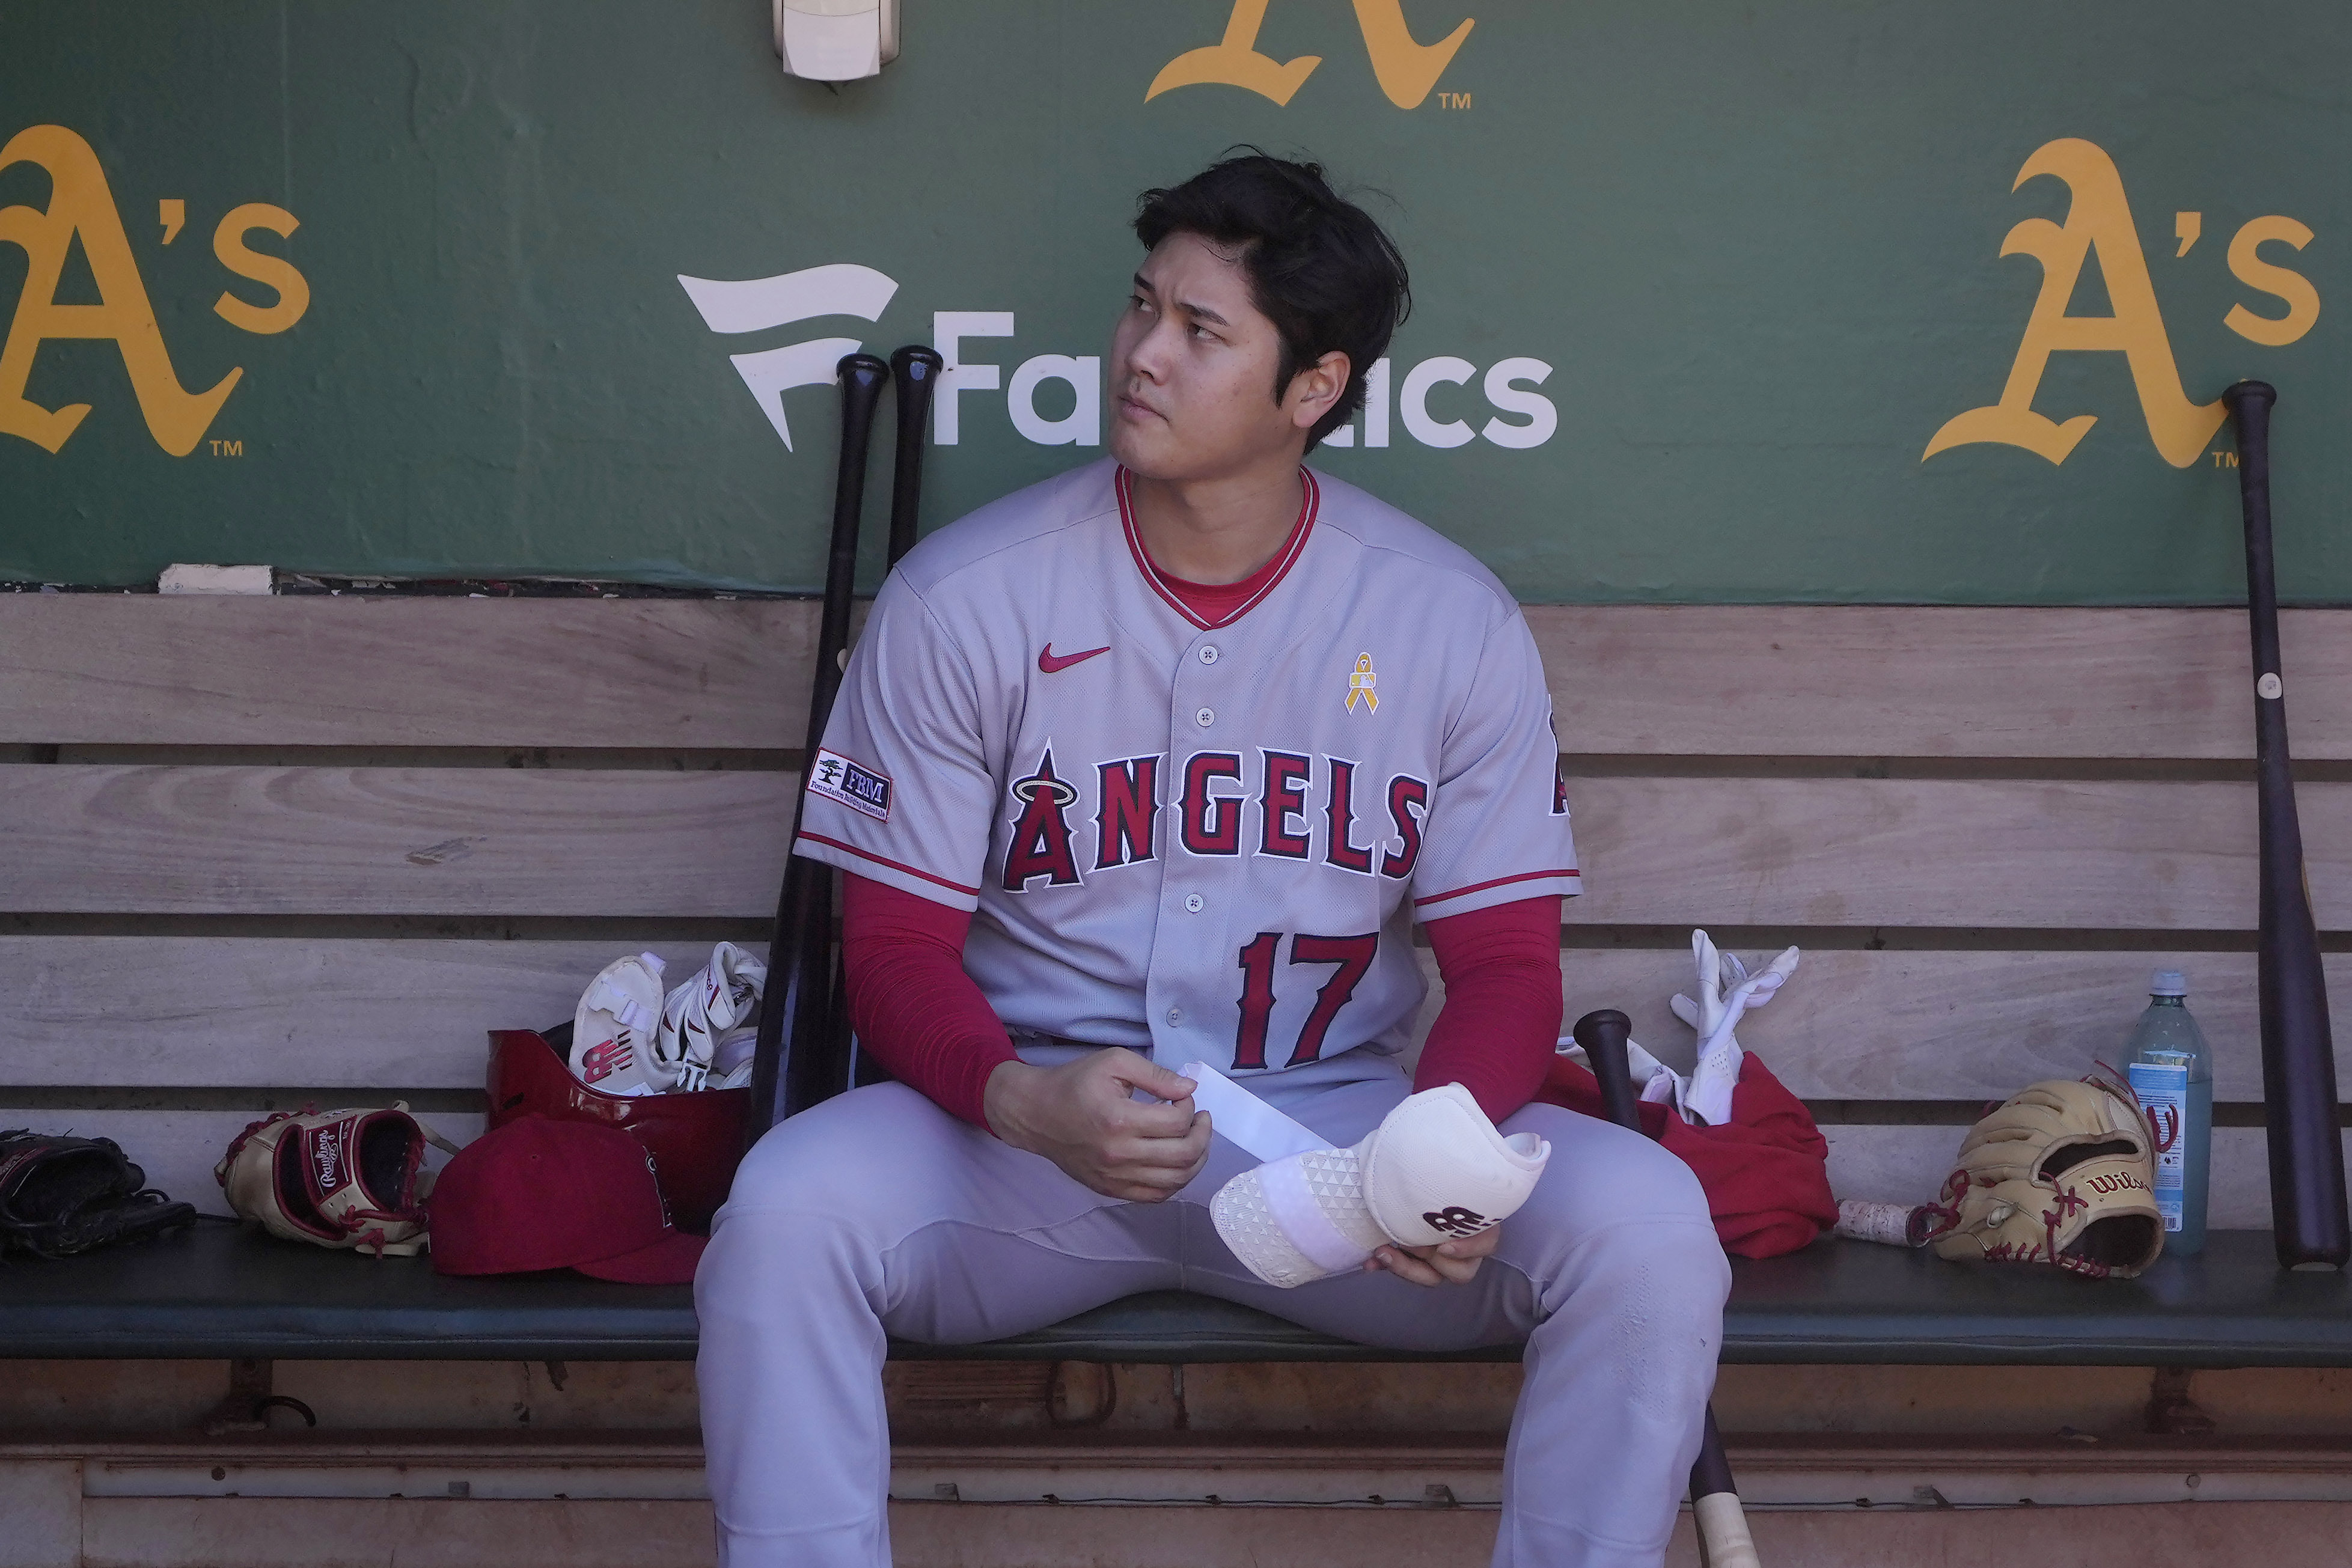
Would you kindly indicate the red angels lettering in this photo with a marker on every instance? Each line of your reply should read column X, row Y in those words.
column 1041, row 836
column 1340, row 808
column 1129, row 796
column 1213, row 823
column 1408, row 804
column 1285, row 797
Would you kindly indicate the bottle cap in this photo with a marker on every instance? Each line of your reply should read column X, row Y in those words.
column 2168, row 983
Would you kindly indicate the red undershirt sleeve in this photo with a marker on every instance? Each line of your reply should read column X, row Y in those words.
column 911, row 1001
column 1496, row 1031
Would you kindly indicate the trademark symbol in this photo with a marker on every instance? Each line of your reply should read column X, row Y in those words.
column 1453, row 100
column 2225, row 459
column 228, row 448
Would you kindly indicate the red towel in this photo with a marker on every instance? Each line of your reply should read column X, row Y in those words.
column 1765, row 1171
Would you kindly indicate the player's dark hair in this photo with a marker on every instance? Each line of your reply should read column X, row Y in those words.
column 1319, row 268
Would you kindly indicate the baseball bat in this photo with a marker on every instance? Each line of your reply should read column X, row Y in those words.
column 914, row 376
column 915, row 371
column 2308, row 1224
column 792, row 1068
column 1721, row 1522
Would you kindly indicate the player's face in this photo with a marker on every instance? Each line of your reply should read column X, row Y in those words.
column 1192, row 365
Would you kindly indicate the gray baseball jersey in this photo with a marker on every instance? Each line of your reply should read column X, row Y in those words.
column 1203, row 841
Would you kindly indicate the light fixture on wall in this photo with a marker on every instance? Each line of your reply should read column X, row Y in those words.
column 835, row 40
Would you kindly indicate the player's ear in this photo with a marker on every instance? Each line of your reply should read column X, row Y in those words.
column 1314, row 390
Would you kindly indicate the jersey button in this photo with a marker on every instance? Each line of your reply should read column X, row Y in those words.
column 1208, row 653
column 1206, row 718
column 1175, row 1015
column 1195, row 902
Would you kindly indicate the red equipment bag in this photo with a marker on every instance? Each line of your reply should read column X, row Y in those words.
column 1765, row 1171
column 696, row 1139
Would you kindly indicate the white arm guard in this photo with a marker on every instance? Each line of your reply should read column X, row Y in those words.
column 1433, row 1170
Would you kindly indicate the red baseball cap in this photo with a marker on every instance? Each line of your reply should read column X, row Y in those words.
column 540, row 1193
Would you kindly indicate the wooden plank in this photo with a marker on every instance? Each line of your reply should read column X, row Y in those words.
column 1907, row 1165
column 198, row 671
column 196, row 1012
column 178, row 1149
column 580, row 1533
column 1941, row 853
column 1755, row 851
column 1938, row 1025
column 201, row 1011
column 437, row 1532
column 1904, row 681
column 478, row 841
column 1666, row 680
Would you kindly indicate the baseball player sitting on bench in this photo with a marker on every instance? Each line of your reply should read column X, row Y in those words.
column 1197, row 733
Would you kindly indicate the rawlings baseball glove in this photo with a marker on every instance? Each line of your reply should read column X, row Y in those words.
column 2058, row 1174
column 334, row 1178
column 62, row 1195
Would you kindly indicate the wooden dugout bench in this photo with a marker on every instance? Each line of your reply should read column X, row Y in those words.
column 269, row 850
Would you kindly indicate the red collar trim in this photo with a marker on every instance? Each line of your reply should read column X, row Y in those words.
column 1284, row 559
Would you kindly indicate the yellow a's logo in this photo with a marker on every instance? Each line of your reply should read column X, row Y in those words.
column 2099, row 220
column 1406, row 69
column 81, row 205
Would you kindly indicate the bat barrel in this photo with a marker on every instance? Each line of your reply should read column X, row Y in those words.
column 2308, row 1219
column 862, row 379
column 789, row 1068
column 1603, row 1034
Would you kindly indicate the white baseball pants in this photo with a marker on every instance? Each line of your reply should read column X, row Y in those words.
column 878, row 1213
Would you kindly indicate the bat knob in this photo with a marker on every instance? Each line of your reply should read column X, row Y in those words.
column 862, row 372
column 916, row 364
column 2260, row 393
column 1603, row 1034
column 1606, row 1028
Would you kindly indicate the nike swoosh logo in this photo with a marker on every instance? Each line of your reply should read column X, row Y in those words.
column 1053, row 663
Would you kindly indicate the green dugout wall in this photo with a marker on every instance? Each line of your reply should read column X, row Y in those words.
column 1699, row 287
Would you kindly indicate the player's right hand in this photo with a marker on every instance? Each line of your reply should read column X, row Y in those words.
column 1083, row 1116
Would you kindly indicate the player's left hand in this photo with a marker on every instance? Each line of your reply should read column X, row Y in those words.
column 1449, row 1263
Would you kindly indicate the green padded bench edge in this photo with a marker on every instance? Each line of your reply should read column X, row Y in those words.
column 218, row 1292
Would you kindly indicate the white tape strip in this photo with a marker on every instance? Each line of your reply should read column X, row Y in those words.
column 1304, row 1220
column 1246, row 1120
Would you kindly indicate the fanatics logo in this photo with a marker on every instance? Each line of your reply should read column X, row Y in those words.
column 836, row 778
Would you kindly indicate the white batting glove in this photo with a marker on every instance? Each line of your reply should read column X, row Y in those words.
column 1726, row 990
column 719, row 1006
column 1655, row 1081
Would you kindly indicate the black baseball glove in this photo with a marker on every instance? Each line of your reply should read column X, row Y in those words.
column 64, row 1195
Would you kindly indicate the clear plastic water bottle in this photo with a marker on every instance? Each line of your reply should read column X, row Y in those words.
column 2172, row 1074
